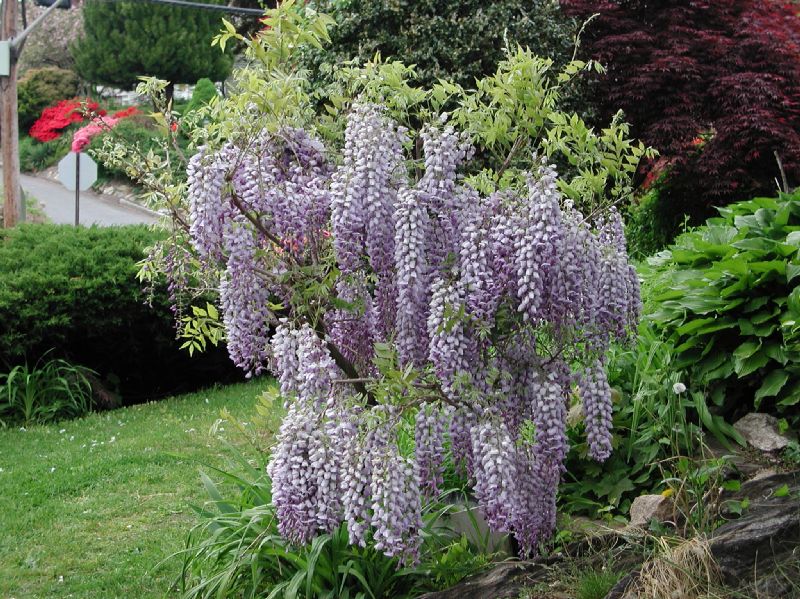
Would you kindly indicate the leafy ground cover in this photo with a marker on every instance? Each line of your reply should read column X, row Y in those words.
column 89, row 507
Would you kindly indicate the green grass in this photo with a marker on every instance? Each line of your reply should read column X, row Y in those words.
column 595, row 584
column 89, row 507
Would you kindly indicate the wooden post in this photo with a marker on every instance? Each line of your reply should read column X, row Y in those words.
column 9, row 129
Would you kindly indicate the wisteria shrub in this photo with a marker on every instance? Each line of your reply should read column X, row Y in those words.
column 384, row 275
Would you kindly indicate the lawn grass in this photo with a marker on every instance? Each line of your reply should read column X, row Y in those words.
column 89, row 507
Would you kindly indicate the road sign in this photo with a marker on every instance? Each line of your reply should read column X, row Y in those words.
column 67, row 171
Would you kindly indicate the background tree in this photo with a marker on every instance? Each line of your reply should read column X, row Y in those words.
column 48, row 45
column 457, row 39
column 126, row 40
column 714, row 86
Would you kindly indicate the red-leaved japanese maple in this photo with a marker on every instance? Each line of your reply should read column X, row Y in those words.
column 714, row 85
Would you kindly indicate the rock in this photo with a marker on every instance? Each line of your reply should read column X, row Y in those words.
column 743, row 464
column 621, row 589
column 646, row 507
column 504, row 581
column 758, row 549
column 761, row 431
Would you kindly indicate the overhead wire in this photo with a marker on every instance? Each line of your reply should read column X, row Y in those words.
column 203, row 6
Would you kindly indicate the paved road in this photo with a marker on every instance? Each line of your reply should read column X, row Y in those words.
column 59, row 205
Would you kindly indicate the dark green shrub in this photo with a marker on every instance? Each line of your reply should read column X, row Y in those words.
column 40, row 88
column 74, row 290
column 454, row 39
column 204, row 91
column 36, row 155
column 646, row 231
column 727, row 296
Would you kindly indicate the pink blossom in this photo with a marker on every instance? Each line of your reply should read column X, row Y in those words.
column 84, row 135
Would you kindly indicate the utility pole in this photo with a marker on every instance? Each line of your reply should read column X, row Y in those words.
column 10, row 47
column 9, row 128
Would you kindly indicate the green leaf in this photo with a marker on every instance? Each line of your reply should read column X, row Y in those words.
column 792, row 271
column 772, row 385
column 212, row 311
column 746, row 349
column 793, row 301
column 717, row 425
column 791, row 398
column 695, row 324
column 745, row 366
column 731, row 485
column 782, row 491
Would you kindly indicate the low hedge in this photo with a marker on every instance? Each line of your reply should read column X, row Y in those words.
column 74, row 290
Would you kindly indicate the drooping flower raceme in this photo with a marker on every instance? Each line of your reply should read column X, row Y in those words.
column 372, row 286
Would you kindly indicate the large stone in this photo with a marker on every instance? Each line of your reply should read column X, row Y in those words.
column 648, row 507
column 758, row 549
column 761, row 431
column 503, row 581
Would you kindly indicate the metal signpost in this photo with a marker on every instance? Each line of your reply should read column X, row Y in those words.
column 77, row 172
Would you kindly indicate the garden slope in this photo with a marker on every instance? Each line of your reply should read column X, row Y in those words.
column 89, row 507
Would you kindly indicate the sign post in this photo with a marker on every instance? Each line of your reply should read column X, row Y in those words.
column 77, row 172
column 77, row 192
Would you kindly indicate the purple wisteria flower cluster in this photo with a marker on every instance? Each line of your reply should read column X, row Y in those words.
column 496, row 310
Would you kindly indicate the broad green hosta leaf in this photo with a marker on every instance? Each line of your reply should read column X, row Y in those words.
column 727, row 296
column 773, row 383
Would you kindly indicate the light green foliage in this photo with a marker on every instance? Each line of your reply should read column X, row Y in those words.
column 90, row 508
column 49, row 390
column 726, row 293
column 517, row 111
column 202, row 327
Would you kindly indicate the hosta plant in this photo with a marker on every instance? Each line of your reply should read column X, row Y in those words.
column 412, row 255
column 727, row 293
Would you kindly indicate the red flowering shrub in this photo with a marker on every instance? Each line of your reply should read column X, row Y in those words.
column 130, row 111
column 56, row 118
column 713, row 85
